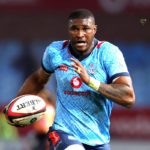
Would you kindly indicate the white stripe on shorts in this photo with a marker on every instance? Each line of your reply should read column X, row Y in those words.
column 75, row 147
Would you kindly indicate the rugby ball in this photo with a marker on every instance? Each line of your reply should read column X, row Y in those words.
column 25, row 110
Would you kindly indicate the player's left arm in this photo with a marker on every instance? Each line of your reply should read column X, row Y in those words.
column 119, row 91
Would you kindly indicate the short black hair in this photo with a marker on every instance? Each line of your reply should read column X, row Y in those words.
column 81, row 13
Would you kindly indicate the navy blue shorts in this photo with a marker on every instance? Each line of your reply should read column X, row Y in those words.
column 60, row 140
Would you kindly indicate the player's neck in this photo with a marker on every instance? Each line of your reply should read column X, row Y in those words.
column 79, row 54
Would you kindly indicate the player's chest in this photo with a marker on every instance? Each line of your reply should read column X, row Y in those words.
column 66, row 73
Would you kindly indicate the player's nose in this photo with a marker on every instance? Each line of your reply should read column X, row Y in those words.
column 80, row 33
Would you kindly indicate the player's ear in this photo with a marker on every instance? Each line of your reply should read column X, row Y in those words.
column 95, row 29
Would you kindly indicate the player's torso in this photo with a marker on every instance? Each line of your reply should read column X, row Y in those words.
column 79, row 103
column 69, row 83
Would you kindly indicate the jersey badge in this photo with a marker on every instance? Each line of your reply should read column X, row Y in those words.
column 92, row 69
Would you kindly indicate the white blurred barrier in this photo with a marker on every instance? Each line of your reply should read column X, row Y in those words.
column 24, row 144
column 21, row 144
column 130, row 144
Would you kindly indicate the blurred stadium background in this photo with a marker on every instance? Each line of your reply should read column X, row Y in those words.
column 28, row 26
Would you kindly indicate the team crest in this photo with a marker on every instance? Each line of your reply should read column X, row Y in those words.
column 92, row 69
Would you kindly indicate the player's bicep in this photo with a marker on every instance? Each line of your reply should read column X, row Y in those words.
column 127, row 87
column 125, row 80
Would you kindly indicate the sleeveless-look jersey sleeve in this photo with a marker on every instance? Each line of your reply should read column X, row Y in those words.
column 114, row 62
column 51, row 57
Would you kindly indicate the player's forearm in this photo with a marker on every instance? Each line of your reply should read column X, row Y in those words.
column 30, row 86
column 119, row 93
column 33, row 84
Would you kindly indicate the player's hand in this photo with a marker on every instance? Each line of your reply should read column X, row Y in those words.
column 5, row 109
column 17, row 125
column 78, row 68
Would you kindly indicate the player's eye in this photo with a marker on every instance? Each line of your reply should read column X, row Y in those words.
column 86, row 29
column 73, row 28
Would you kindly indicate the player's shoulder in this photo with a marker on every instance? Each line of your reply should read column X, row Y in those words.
column 108, row 47
column 61, row 44
column 108, row 50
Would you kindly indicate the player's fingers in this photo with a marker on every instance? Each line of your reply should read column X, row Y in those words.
column 78, row 70
column 76, row 62
column 74, row 66
column 77, row 66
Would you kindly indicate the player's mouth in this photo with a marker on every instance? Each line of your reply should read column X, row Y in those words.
column 80, row 44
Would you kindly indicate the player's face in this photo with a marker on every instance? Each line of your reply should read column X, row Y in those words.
column 82, row 32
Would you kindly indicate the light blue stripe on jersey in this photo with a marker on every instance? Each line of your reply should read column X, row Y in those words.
column 80, row 110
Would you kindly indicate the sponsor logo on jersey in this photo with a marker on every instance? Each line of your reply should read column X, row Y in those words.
column 86, row 93
column 76, row 82
column 63, row 67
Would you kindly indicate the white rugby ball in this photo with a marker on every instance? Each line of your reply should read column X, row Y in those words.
column 25, row 110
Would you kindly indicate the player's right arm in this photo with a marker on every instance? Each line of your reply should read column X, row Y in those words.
column 35, row 82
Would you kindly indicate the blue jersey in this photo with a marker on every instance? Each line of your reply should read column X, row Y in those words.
column 80, row 110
